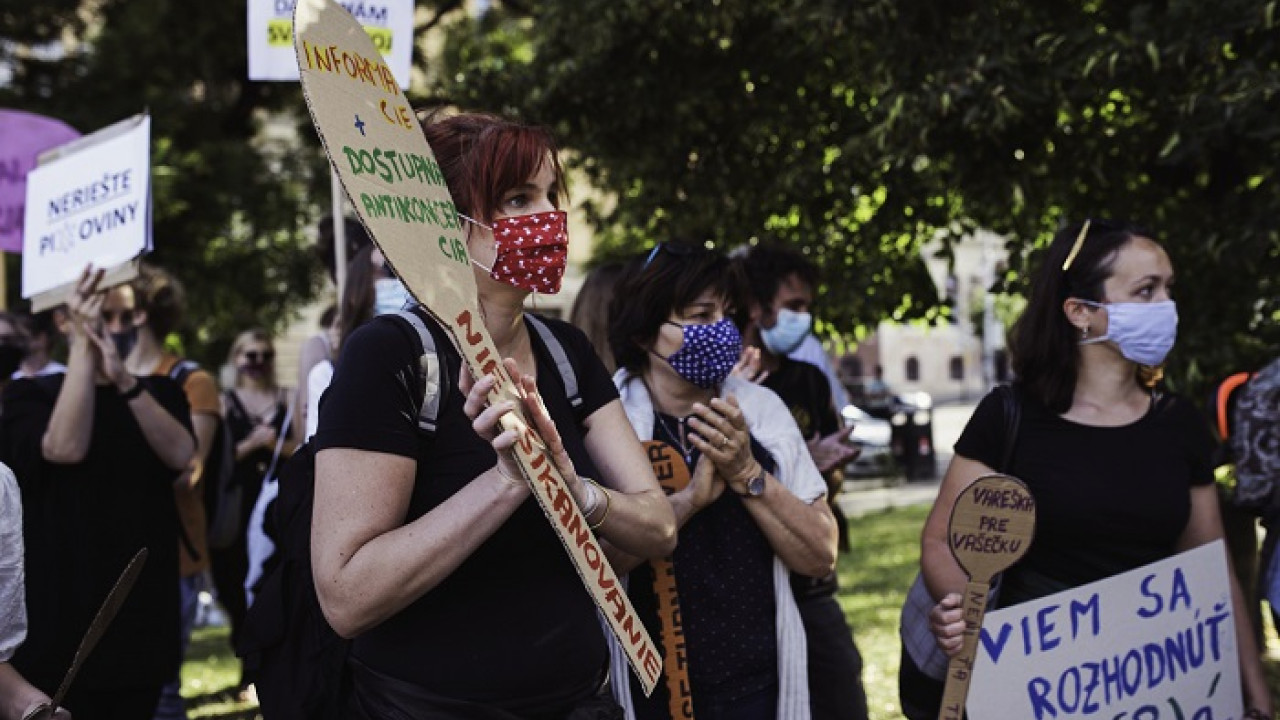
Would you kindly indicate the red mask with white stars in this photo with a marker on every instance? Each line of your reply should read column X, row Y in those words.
column 532, row 251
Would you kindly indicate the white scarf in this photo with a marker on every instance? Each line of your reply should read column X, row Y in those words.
column 771, row 424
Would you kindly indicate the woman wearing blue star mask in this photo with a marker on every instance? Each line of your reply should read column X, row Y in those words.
column 674, row 337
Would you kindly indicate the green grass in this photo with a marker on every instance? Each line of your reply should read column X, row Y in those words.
column 874, row 579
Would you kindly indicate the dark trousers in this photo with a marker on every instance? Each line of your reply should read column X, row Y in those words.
column 835, row 665
column 921, row 695
column 134, row 703
column 229, row 568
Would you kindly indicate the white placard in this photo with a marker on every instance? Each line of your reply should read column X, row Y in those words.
column 1156, row 643
column 89, row 206
column 271, row 54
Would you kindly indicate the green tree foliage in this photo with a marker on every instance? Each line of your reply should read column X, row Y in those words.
column 230, row 208
column 857, row 130
column 725, row 122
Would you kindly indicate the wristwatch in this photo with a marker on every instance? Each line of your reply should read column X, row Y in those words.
column 755, row 485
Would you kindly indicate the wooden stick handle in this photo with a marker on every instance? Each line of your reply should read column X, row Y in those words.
column 960, row 669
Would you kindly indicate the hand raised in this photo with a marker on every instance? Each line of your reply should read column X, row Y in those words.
column 832, row 451
column 719, row 430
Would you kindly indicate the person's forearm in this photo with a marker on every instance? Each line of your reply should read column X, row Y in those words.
column 802, row 534
column 941, row 573
column 66, row 439
column 168, row 439
column 682, row 506
column 1252, row 676
column 390, row 571
column 639, row 524
column 17, row 696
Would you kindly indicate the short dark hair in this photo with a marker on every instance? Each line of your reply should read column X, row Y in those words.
column 1043, row 344
column 590, row 312
column 358, row 295
column 766, row 265
column 654, row 284
column 160, row 295
column 355, row 237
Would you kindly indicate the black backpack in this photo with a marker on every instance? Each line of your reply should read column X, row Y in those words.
column 222, row 496
column 296, row 658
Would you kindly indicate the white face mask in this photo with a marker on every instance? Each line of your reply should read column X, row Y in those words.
column 1144, row 332
column 787, row 333
column 389, row 295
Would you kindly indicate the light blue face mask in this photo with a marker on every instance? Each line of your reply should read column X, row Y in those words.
column 1144, row 332
column 787, row 333
column 389, row 295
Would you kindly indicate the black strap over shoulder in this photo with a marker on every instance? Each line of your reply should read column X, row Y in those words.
column 1012, row 419
column 435, row 376
column 563, row 365
column 434, row 382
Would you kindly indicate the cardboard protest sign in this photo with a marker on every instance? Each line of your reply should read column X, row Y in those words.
column 991, row 527
column 1156, row 643
column 23, row 136
column 389, row 24
column 91, row 204
column 378, row 150
column 673, row 475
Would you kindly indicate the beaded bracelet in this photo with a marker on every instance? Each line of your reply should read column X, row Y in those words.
column 607, row 503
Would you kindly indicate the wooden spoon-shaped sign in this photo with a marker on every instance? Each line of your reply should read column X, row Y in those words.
column 991, row 528
column 387, row 169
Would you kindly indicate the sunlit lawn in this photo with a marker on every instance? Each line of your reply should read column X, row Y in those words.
column 874, row 578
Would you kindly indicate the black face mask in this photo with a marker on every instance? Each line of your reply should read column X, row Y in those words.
column 10, row 358
column 125, row 341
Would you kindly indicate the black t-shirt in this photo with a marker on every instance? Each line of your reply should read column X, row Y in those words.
column 805, row 391
column 724, row 576
column 82, row 524
column 807, row 394
column 1108, row 499
column 251, row 470
column 512, row 626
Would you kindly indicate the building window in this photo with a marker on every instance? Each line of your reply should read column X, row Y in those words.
column 913, row 369
column 957, row 367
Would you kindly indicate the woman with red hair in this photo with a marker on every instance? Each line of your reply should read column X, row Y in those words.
column 428, row 549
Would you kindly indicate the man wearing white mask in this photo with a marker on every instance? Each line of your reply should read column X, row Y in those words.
column 782, row 283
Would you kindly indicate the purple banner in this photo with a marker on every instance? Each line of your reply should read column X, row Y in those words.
column 23, row 136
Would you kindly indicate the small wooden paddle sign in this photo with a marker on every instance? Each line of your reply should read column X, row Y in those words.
column 991, row 528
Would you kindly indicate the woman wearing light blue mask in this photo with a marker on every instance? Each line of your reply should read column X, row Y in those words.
column 1099, row 321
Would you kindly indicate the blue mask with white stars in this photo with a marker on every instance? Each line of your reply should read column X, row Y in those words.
column 708, row 354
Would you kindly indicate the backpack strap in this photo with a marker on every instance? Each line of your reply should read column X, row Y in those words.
column 429, row 363
column 1223, row 403
column 556, row 348
column 1012, row 419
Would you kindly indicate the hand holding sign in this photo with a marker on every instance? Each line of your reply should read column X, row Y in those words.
column 991, row 528
column 399, row 191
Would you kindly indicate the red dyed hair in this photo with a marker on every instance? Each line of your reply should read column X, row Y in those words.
column 483, row 156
